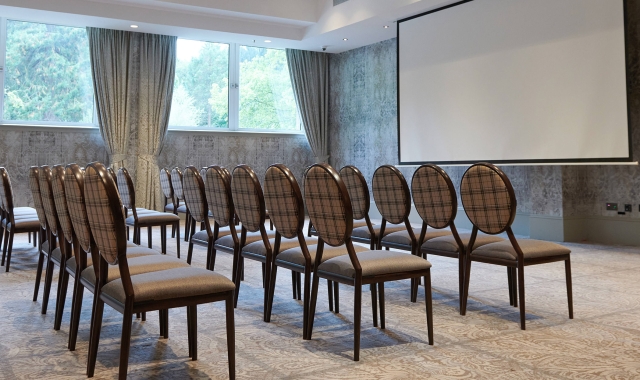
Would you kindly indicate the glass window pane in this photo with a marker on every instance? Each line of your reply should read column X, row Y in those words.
column 201, row 88
column 266, row 95
column 47, row 74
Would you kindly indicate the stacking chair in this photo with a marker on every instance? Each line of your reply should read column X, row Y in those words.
column 330, row 210
column 86, row 252
column 43, row 247
column 250, row 209
column 434, row 197
column 176, row 182
column 283, row 197
column 13, row 223
column 490, row 203
column 392, row 196
column 147, row 219
column 170, row 202
column 160, row 290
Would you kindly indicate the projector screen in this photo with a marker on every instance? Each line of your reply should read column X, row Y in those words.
column 513, row 81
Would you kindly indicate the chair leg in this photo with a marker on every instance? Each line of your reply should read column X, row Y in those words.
column 414, row 290
column 514, row 286
column 465, row 295
column 429, row 305
column 125, row 342
column 165, row 319
column 161, row 323
column 10, row 248
column 294, row 279
column 231, row 337
column 357, row 316
column 567, row 270
column 149, row 236
column 374, row 303
column 63, row 280
column 264, row 276
column 239, row 271
column 521, row 291
column 299, row 285
column 330, row 290
column 76, row 310
column 96, row 326
column 190, row 252
column 163, row 238
column 173, row 231
column 4, row 247
column 336, row 297
column 312, row 305
column 48, row 277
column 305, row 303
column 510, row 280
column 381, row 297
column 178, row 240
column 36, row 288
column 272, row 288
column 2, row 234
column 187, row 225
column 460, row 280
column 266, row 281
column 193, row 314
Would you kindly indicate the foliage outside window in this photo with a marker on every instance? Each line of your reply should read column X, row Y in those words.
column 47, row 74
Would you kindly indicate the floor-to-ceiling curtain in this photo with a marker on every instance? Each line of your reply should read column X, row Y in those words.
column 110, row 52
column 309, row 72
column 157, row 71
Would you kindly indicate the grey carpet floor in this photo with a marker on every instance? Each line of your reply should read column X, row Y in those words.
column 603, row 341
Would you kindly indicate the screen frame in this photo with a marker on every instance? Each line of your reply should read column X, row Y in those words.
column 524, row 161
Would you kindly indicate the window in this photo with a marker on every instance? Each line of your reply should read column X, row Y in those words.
column 47, row 74
column 201, row 86
column 266, row 96
column 232, row 87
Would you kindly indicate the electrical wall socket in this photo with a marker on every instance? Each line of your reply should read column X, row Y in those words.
column 612, row 207
column 627, row 208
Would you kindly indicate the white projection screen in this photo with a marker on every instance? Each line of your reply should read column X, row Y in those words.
column 514, row 81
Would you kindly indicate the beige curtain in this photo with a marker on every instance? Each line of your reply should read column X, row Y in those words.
column 110, row 52
column 309, row 72
column 157, row 71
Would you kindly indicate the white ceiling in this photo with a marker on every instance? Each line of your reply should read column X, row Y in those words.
column 299, row 24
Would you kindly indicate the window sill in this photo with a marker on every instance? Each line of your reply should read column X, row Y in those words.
column 239, row 133
column 47, row 127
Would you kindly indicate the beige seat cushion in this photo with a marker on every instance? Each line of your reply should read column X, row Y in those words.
column 295, row 256
column 532, row 249
column 375, row 263
column 402, row 237
column 226, row 242
column 363, row 232
column 27, row 224
column 154, row 217
column 181, row 207
column 169, row 284
column 56, row 255
column 138, row 265
column 449, row 244
column 202, row 237
column 71, row 264
column 258, row 248
column 23, row 210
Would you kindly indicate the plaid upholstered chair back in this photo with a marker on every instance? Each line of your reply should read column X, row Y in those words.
column 126, row 189
column 74, row 190
column 194, row 197
column 283, row 199
column 358, row 191
column 391, row 193
column 434, row 196
column 219, row 199
column 488, row 198
column 328, row 204
column 34, row 186
column 176, row 181
column 248, row 198
column 6, row 192
column 48, row 203
column 104, row 212
column 60, row 199
column 165, row 183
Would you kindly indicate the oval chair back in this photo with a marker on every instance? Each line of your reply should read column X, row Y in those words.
column 60, row 199
column 488, row 198
column 393, row 199
column 34, row 186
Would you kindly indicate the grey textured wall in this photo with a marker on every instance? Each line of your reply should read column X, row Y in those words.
column 363, row 130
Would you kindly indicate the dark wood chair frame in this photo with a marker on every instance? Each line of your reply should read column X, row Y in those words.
column 519, row 263
column 359, row 280
column 130, row 307
column 173, row 200
column 176, row 201
column 268, row 257
column 42, row 254
column 9, row 216
column 137, row 225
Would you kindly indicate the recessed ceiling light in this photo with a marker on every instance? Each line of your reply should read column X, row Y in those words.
column 134, row 26
column 345, row 39
column 267, row 41
column 386, row 26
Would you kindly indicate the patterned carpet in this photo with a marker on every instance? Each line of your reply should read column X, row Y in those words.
column 603, row 341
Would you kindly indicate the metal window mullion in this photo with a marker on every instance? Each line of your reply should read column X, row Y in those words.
column 234, row 92
column 3, row 60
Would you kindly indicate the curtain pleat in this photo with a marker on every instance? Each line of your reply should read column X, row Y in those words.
column 309, row 72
